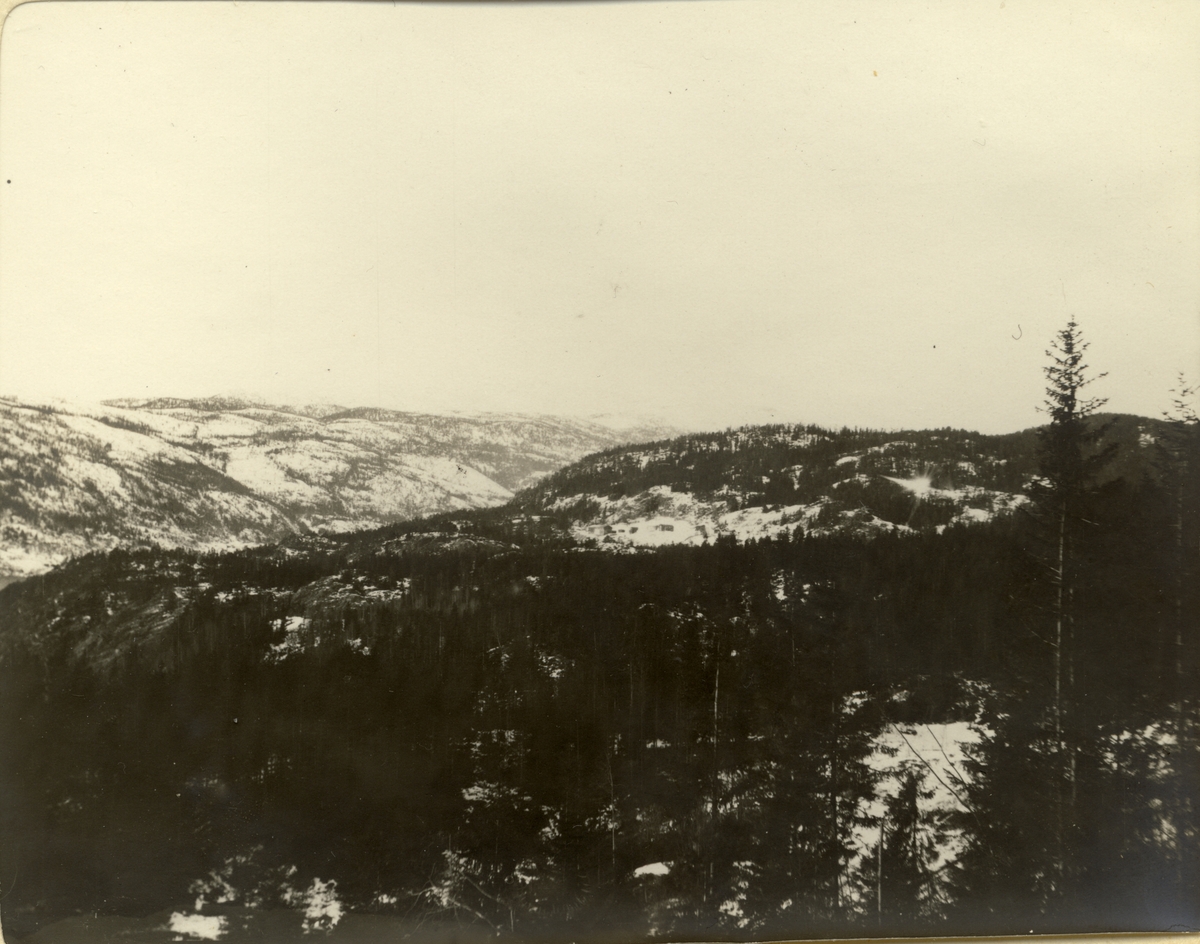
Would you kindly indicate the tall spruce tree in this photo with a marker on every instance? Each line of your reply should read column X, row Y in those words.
column 1070, row 458
column 1179, row 466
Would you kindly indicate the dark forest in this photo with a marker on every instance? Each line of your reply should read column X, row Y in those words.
column 476, row 726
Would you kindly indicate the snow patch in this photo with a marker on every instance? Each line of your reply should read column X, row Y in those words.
column 197, row 927
column 293, row 642
column 920, row 485
column 935, row 752
column 974, row 514
column 659, row 516
column 322, row 909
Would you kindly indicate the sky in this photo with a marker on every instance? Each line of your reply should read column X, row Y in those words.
column 711, row 213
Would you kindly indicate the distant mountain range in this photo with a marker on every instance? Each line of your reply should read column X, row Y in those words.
column 222, row 473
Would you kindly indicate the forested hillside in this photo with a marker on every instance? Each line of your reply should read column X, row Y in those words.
column 766, row 481
column 485, row 723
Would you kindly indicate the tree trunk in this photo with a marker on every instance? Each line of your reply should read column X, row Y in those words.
column 1060, row 576
column 879, row 874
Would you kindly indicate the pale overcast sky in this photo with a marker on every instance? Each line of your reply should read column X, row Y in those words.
column 871, row 213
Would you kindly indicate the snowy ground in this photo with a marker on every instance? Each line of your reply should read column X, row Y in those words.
column 935, row 752
column 660, row 516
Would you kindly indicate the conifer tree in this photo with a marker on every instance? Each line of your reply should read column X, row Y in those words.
column 1069, row 461
column 1179, row 466
column 908, row 849
column 1179, row 463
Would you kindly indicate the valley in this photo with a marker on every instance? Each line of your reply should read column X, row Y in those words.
column 223, row 473
column 759, row 683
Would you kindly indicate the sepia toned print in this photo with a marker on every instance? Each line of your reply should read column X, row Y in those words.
column 598, row 471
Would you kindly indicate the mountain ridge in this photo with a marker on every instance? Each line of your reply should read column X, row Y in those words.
column 225, row 472
column 221, row 473
column 761, row 481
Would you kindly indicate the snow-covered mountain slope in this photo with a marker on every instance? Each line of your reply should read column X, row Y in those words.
column 224, row 473
column 760, row 482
